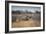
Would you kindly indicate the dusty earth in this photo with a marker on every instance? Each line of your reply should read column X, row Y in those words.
column 29, row 23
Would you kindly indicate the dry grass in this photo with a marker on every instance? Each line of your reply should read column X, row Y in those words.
column 29, row 23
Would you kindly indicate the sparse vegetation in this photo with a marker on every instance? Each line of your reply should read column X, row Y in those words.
column 25, row 19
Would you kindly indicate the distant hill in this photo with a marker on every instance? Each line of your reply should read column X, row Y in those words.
column 21, row 12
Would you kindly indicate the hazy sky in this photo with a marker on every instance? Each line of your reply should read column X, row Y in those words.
column 29, row 8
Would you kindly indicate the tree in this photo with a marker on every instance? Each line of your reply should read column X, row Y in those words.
column 38, row 12
column 16, row 12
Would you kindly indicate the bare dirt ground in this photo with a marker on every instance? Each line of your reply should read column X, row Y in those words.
column 29, row 23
